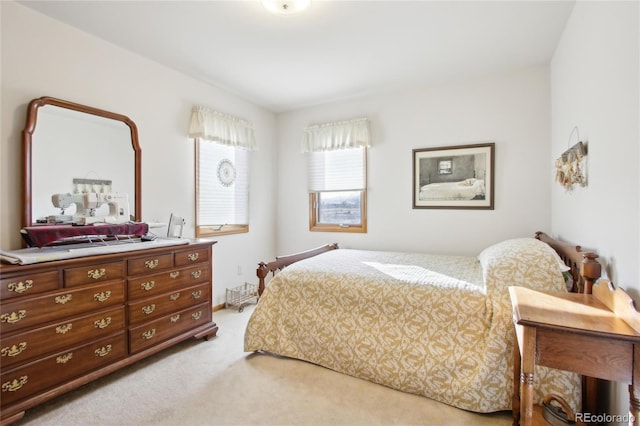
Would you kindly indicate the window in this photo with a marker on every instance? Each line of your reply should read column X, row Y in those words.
column 223, row 145
column 337, row 190
column 445, row 167
column 222, row 188
column 337, row 154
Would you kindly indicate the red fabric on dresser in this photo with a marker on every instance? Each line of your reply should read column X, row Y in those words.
column 41, row 236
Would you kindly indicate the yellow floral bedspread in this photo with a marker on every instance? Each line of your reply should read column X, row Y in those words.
column 437, row 326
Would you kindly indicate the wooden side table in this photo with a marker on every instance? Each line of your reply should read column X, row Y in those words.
column 596, row 335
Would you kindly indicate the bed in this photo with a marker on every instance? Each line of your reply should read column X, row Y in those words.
column 467, row 189
column 432, row 325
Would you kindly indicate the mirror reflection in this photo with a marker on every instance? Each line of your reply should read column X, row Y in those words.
column 84, row 165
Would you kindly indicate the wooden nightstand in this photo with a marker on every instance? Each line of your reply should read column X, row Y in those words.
column 596, row 335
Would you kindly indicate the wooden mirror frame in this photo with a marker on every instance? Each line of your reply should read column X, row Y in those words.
column 27, row 143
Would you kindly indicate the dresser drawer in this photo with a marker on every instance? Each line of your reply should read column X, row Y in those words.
column 147, row 264
column 60, row 304
column 37, row 376
column 154, row 332
column 93, row 273
column 151, row 285
column 167, row 303
column 20, row 347
column 188, row 257
column 28, row 284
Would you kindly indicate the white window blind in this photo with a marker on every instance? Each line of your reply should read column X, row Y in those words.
column 337, row 170
column 223, row 185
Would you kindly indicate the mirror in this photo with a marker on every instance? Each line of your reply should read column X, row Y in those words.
column 71, row 148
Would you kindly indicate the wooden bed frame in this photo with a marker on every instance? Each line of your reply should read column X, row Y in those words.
column 283, row 261
column 585, row 269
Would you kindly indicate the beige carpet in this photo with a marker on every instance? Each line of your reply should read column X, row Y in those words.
column 216, row 383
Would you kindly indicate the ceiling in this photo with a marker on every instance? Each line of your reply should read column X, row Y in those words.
column 335, row 50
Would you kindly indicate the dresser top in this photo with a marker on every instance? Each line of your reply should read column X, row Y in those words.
column 23, row 258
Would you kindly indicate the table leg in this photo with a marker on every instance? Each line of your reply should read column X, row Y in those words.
column 526, row 375
column 515, row 399
column 634, row 389
column 634, row 407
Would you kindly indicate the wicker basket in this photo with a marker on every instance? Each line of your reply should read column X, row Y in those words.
column 242, row 296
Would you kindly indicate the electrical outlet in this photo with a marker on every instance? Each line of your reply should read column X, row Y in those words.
column 239, row 270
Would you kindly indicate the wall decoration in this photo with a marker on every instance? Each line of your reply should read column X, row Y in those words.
column 226, row 172
column 454, row 177
column 571, row 169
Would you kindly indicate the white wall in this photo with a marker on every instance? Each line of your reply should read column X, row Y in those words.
column 42, row 57
column 510, row 109
column 595, row 86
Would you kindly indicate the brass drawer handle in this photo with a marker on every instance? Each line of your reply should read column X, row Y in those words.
column 193, row 256
column 196, row 294
column 61, row 300
column 151, row 263
column 13, row 317
column 102, row 296
column 15, row 384
column 20, row 286
column 63, row 329
column 175, row 318
column 103, row 323
column 174, row 296
column 96, row 274
column 14, row 350
column 148, row 309
column 148, row 285
column 149, row 334
column 103, row 351
column 196, row 274
column 63, row 359
column 196, row 315
column 174, row 274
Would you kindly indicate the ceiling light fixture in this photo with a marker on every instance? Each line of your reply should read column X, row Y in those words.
column 286, row 7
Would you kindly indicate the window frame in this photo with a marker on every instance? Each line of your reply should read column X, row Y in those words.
column 212, row 230
column 445, row 166
column 314, row 207
column 336, row 227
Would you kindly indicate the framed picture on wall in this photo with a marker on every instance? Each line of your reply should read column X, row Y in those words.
column 454, row 177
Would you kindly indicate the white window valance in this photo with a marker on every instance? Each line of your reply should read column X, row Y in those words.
column 338, row 135
column 215, row 126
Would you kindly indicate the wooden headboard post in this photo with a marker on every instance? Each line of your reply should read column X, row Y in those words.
column 283, row 261
column 585, row 269
column 262, row 273
column 590, row 270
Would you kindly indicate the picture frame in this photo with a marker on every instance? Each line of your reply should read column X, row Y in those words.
column 454, row 177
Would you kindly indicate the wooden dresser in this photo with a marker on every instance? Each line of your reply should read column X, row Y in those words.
column 65, row 323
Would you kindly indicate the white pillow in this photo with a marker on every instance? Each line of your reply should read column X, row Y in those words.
column 526, row 262
column 514, row 246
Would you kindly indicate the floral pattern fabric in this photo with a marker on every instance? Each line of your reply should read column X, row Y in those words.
column 432, row 325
